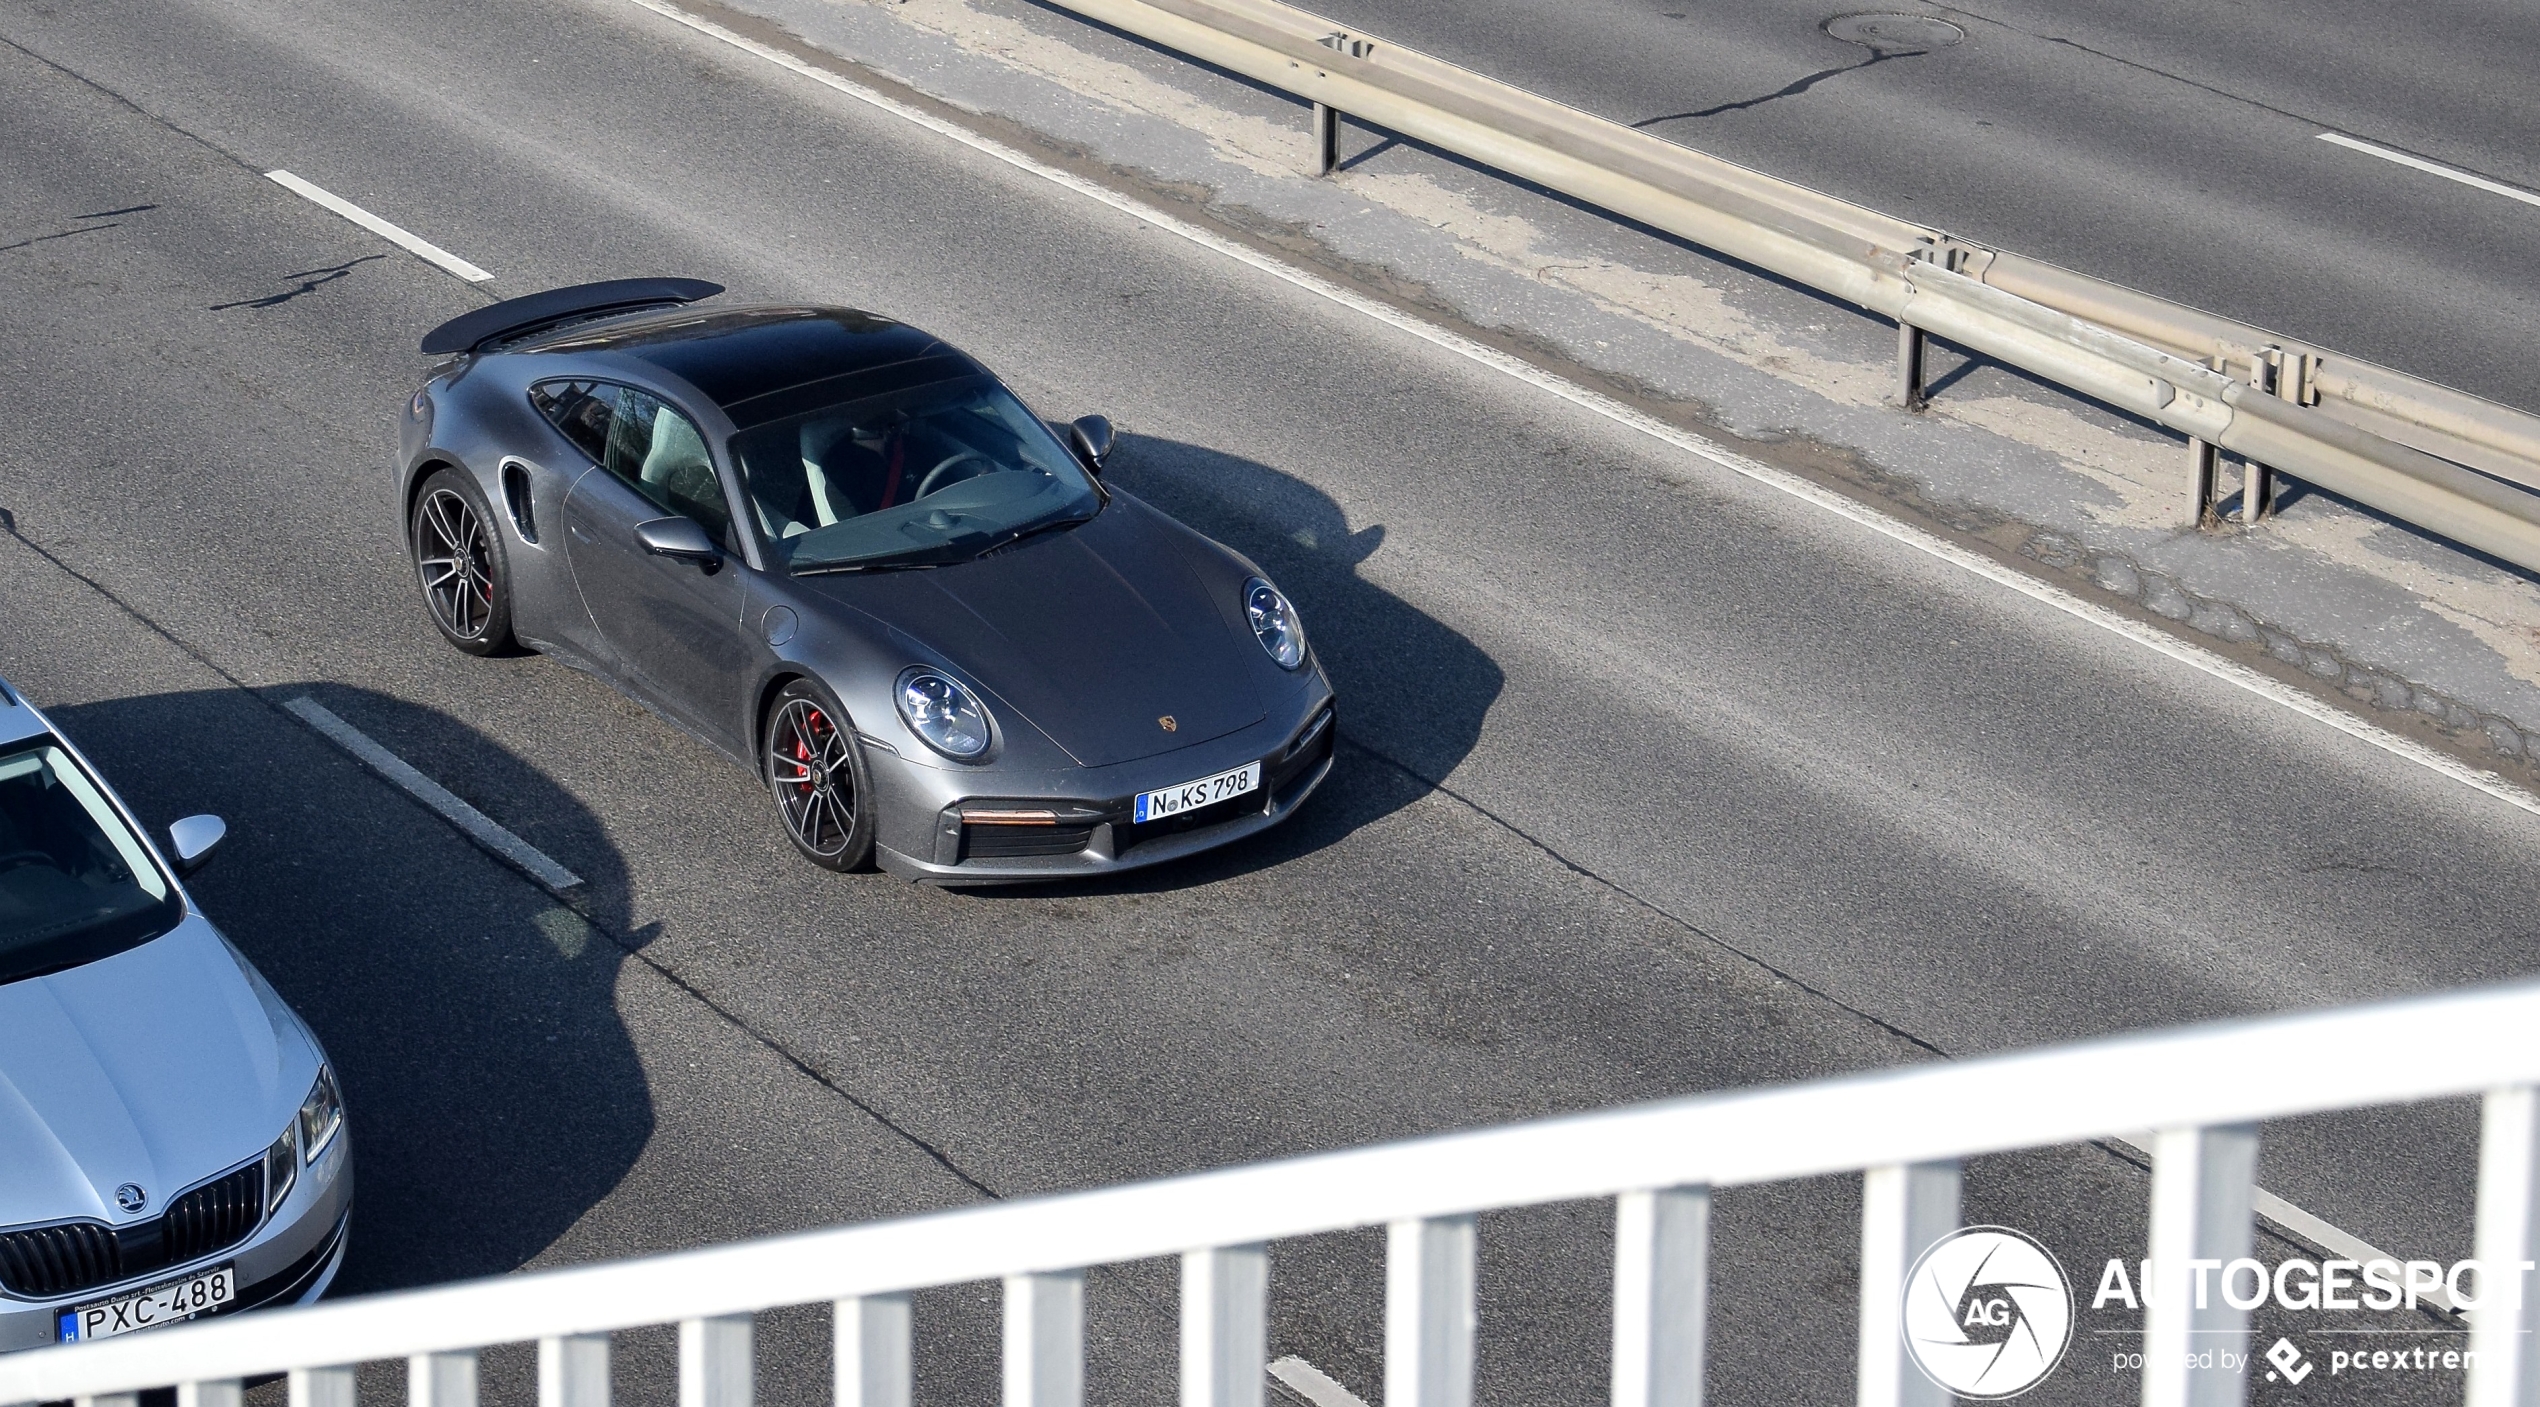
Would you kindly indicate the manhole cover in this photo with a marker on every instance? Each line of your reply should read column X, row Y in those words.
column 1889, row 32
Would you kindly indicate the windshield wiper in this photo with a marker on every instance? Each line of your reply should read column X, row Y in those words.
column 1035, row 530
column 847, row 568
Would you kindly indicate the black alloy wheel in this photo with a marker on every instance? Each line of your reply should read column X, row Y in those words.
column 459, row 563
column 818, row 777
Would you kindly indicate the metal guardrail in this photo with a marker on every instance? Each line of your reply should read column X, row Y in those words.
column 2203, row 1088
column 2393, row 442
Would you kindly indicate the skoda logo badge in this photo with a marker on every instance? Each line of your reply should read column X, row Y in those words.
column 1167, row 723
column 131, row 1198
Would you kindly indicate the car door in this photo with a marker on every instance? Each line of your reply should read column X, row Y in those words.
column 672, row 627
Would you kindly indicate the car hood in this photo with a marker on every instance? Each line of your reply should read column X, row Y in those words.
column 159, row 1066
column 1095, row 635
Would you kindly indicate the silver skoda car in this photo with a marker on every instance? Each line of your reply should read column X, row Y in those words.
column 172, row 1141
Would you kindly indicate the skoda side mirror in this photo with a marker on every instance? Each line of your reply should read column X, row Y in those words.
column 680, row 538
column 194, row 839
column 1091, row 438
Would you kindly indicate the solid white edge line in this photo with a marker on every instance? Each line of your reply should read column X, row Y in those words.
column 2194, row 656
column 2312, row 1229
column 474, row 823
column 2432, row 168
column 1312, row 1383
column 413, row 243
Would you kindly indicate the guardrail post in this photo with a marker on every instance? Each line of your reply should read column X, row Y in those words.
column 438, row 1380
column 1045, row 1339
column 1904, row 1209
column 219, row 1392
column 2201, row 1182
column 108, row 1399
column 1225, row 1325
column 573, row 1371
column 2255, row 485
column 2505, row 1364
column 1662, row 1286
column 714, row 1362
column 1327, row 139
column 1429, row 1316
column 871, row 1357
column 321, row 1387
column 1909, row 365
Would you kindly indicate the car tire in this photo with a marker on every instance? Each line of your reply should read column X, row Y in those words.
column 815, row 771
column 457, row 548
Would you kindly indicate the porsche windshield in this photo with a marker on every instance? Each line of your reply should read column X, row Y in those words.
column 921, row 477
column 75, row 882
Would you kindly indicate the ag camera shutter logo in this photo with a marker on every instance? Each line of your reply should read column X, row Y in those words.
column 1988, row 1312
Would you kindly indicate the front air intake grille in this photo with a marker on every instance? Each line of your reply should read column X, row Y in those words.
column 1009, row 842
column 47, row 1262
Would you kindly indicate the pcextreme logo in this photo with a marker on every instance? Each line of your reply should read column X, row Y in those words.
column 1988, row 1312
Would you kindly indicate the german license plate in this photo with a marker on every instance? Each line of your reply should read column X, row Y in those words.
column 1190, row 796
column 171, row 1303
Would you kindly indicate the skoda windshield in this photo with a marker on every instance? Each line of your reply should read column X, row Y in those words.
column 75, row 883
column 921, row 477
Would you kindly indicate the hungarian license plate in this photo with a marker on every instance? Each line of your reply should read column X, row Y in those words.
column 1190, row 796
column 171, row 1303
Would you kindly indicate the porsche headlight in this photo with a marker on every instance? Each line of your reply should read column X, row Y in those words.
column 321, row 1115
column 1274, row 623
column 949, row 718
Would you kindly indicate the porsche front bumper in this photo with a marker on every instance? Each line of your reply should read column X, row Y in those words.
column 1080, row 822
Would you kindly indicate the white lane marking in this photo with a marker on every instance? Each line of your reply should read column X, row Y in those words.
column 2319, row 1233
column 2161, row 642
column 1313, row 1384
column 394, row 234
column 475, row 824
column 2433, row 168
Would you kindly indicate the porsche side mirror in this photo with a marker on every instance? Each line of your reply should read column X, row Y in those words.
column 194, row 839
column 680, row 538
column 1090, row 436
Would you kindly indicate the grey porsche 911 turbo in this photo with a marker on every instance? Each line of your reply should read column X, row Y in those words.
column 843, row 552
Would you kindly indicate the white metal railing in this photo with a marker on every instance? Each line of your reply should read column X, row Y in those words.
column 2381, row 437
column 2204, row 1089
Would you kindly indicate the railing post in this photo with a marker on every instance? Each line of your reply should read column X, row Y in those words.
column 321, row 1387
column 1662, row 1279
column 871, row 1358
column 108, row 1399
column 1225, row 1325
column 2254, row 484
column 1905, row 1207
column 1045, row 1339
column 2505, row 1366
column 1429, row 1317
column 439, row 1380
column 1327, row 139
column 2201, row 1181
column 573, row 1371
column 714, row 1362
column 1909, row 365
column 219, row 1392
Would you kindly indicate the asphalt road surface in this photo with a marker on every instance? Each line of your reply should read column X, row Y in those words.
column 2172, row 145
column 1654, row 782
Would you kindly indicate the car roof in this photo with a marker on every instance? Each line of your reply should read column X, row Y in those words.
column 17, row 719
column 737, row 355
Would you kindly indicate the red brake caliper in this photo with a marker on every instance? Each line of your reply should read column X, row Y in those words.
column 802, row 750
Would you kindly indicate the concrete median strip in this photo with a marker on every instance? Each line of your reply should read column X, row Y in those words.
column 472, row 823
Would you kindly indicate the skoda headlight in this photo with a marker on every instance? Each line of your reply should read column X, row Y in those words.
column 282, row 1166
column 321, row 1115
column 947, row 716
column 1274, row 623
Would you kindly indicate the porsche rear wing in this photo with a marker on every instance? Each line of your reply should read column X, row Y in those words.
column 518, row 317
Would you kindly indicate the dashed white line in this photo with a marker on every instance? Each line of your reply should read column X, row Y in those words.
column 395, row 234
column 472, row 823
column 1312, row 1384
column 2433, row 168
